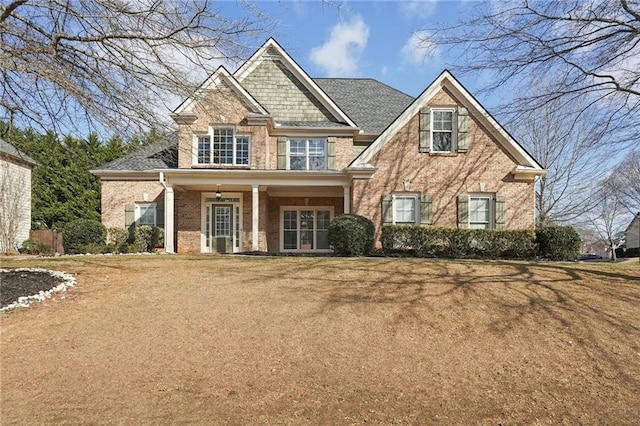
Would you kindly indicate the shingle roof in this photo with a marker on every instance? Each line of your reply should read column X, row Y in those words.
column 372, row 105
column 159, row 155
column 8, row 149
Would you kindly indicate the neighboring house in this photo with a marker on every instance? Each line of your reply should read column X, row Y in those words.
column 267, row 156
column 632, row 233
column 15, row 196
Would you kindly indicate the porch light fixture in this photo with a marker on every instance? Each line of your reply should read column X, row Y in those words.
column 218, row 193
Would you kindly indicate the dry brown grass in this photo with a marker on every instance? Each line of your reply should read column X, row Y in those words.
column 246, row 340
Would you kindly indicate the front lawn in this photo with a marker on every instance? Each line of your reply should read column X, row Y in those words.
column 288, row 340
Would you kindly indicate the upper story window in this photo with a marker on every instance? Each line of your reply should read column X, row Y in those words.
column 223, row 146
column 307, row 154
column 442, row 121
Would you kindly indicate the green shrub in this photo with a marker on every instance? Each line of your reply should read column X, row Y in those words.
column 351, row 235
column 81, row 232
column 558, row 243
column 95, row 248
column 143, row 237
column 117, row 237
column 431, row 241
column 34, row 247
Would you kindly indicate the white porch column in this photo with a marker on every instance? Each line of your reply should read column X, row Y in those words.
column 169, row 246
column 347, row 199
column 255, row 204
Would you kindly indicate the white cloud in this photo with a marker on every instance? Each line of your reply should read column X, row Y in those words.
column 418, row 9
column 419, row 48
column 340, row 54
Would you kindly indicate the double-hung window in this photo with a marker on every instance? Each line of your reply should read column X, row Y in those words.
column 480, row 213
column 307, row 154
column 442, row 124
column 145, row 214
column 405, row 208
column 223, row 146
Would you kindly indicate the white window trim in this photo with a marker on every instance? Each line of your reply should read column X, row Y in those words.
column 492, row 208
column 307, row 139
column 454, row 130
column 416, row 198
column 209, row 134
column 137, row 214
column 298, row 209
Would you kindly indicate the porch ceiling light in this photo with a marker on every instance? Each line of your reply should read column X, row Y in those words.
column 218, row 193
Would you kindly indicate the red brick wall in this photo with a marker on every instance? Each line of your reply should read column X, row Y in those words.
column 444, row 176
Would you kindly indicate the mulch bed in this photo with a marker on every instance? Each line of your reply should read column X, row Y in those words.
column 23, row 283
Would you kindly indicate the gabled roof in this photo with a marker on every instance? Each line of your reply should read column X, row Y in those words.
column 159, row 155
column 371, row 104
column 526, row 163
column 220, row 78
column 7, row 149
column 271, row 47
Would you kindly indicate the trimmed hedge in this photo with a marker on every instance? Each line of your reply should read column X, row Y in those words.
column 558, row 243
column 351, row 235
column 81, row 232
column 430, row 241
column 34, row 247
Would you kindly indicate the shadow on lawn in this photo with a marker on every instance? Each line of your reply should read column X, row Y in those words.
column 595, row 310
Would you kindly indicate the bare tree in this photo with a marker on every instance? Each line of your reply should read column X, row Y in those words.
column 609, row 217
column 567, row 140
column 74, row 65
column 628, row 176
column 591, row 47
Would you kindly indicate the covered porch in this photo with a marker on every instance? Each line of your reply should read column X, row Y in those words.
column 231, row 211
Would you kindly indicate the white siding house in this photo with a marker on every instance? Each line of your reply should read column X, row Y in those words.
column 15, row 196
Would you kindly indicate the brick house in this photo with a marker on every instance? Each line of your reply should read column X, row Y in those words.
column 265, row 157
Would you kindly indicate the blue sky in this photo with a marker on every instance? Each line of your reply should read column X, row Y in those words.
column 365, row 39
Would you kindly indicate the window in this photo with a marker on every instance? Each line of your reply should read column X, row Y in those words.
column 442, row 130
column 307, row 154
column 305, row 228
column 480, row 212
column 223, row 147
column 145, row 214
column 404, row 209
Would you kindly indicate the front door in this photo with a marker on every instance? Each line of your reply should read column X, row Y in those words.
column 222, row 228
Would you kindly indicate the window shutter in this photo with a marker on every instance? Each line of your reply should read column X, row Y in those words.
column 426, row 212
column 130, row 219
column 331, row 153
column 425, row 130
column 463, row 211
column 387, row 209
column 463, row 118
column 160, row 215
column 282, row 153
column 500, row 204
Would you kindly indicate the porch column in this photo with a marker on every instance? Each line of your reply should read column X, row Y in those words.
column 168, row 220
column 255, row 204
column 347, row 199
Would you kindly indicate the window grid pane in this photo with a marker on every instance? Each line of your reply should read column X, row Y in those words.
column 479, row 212
column 405, row 210
column 223, row 221
column 204, row 150
column 442, row 134
column 223, row 146
column 242, row 150
column 147, row 215
column 307, row 154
